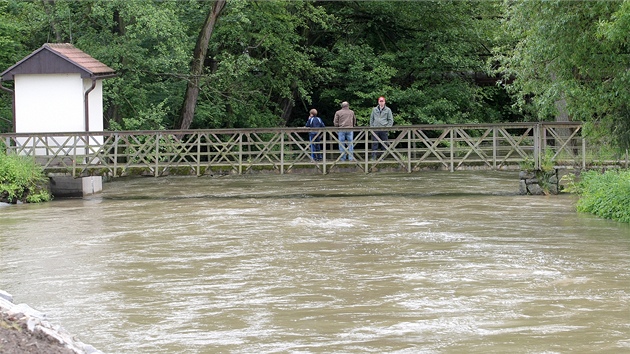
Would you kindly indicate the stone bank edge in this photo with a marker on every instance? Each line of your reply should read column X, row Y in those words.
column 36, row 321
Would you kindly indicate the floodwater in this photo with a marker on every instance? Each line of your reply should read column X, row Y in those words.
column 430, row 262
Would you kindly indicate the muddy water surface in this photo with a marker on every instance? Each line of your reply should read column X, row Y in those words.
column 384, row 263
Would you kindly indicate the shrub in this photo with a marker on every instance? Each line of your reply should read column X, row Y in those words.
column 605, row 194
column 21, row 179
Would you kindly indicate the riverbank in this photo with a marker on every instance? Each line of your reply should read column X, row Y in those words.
column 26, row 330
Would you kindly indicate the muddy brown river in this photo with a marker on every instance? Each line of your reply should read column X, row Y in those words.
column 430, row 262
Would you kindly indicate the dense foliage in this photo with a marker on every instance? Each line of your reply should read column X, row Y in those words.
column 268, row 62
column 570, row 59
column 21, row 179
column 605, row 194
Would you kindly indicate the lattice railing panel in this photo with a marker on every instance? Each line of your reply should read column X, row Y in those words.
column 410, row 148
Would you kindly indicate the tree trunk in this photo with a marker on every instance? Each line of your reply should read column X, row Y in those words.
column 563, row 116
column 49, row 8
column 287, row 108
column 199, row 55
column 561, row 106
column 287, row 105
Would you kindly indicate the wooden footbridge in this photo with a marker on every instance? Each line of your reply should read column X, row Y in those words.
column 287, row 150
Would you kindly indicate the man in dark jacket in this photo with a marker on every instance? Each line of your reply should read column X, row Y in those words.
column 345, row 118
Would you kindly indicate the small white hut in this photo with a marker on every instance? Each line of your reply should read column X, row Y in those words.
column 57, row 88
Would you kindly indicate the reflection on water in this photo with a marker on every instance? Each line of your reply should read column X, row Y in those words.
column 404, row 263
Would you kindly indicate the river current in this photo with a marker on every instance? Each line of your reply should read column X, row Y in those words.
column 429, row 262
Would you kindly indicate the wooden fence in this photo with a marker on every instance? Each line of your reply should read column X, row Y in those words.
column 285, row 150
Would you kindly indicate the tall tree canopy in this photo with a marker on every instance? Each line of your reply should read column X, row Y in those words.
column 421, row 55
column 571, row 52
column 268, row 62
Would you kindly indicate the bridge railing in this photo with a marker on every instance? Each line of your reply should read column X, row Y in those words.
column 240, row 151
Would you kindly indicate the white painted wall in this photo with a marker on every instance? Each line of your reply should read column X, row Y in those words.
column 49, row 103
column 95, row 101
column 53, row 103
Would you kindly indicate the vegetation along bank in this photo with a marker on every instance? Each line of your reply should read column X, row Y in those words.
column 22, row 180
column 606, row 194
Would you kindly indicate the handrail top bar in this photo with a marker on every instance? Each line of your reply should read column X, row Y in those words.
column 299, row 129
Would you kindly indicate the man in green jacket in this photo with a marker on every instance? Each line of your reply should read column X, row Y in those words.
column 381, row 117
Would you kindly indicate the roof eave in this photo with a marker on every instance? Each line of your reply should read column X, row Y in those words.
column 7, row 75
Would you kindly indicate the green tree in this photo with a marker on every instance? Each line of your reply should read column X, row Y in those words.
column 148, row 43
column 15, row 31
column 425, row 57
column 269, row 62
column 570, row 58
column 260, row 64
column 614, row 32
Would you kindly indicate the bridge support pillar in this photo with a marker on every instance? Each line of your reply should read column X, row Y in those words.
column 66, row 186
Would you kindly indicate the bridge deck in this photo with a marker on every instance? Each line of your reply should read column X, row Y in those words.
column 285, row 150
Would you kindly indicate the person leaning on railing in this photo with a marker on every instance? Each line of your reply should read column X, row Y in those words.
column 381, row 117
column 314, row 121
column 345, row 118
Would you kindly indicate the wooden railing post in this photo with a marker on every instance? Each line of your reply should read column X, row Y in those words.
column 157, row 154
column 281, row 153
column 240, row 153
column 452, row 139
column 537, row 146
column 324, row 151
column 74, row 155
column 584, row 154
column 198, row 137
column 116, row 137
column 408, row 150
column 368, row 134
column 494, row 147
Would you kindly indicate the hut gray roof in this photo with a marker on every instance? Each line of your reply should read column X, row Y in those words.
column 59, row 58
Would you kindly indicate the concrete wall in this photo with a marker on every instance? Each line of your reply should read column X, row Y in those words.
column 64, row 186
